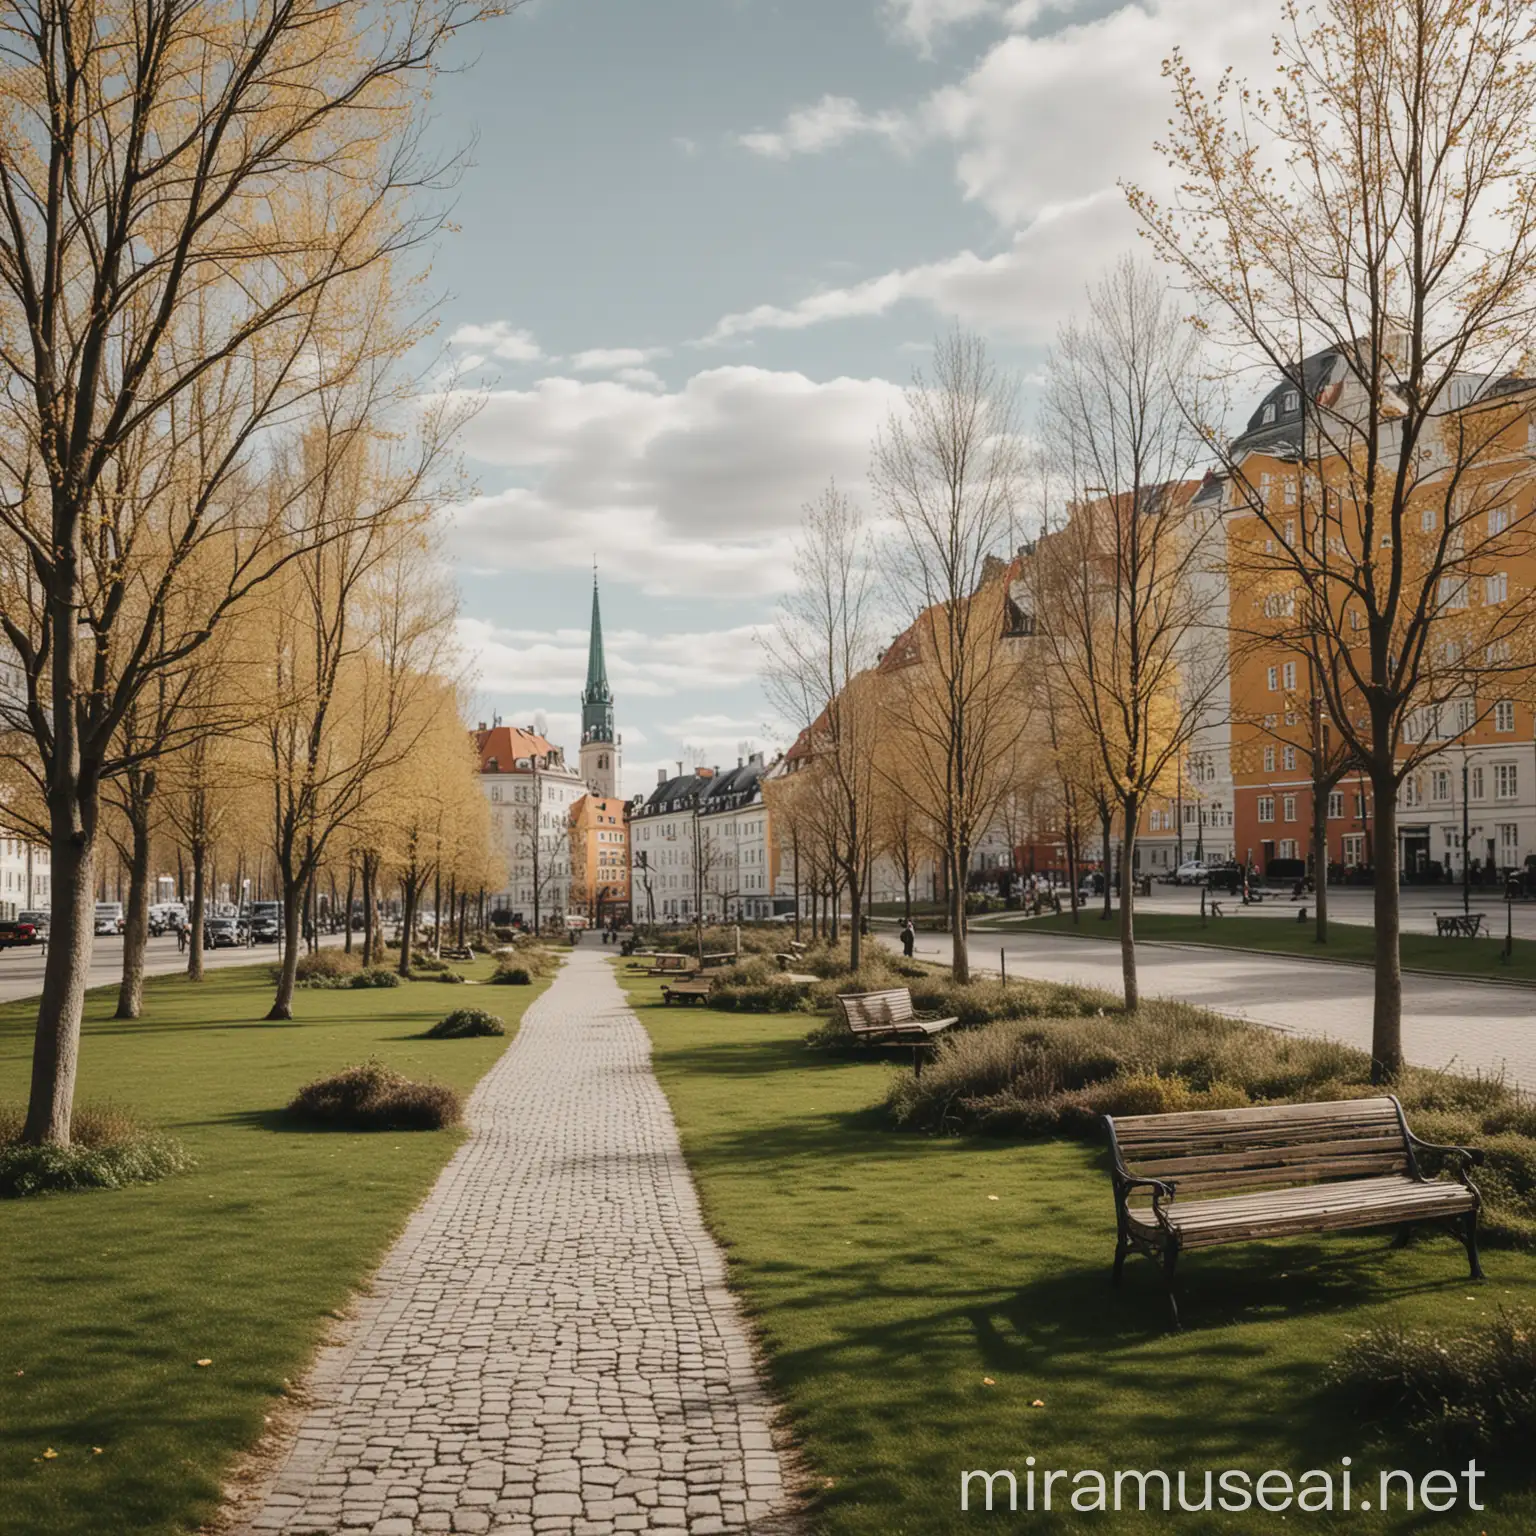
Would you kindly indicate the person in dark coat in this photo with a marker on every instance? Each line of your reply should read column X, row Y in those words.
column 908, row 937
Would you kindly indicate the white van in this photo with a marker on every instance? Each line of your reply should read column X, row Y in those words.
column 109, row 917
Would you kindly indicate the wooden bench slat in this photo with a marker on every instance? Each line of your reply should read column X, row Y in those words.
column 1202, row 1120
column 1203, row 1161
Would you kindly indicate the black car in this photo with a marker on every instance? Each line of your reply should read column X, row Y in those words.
column 220, row 933
column 15, row 933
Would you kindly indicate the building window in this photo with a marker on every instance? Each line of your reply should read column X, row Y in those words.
column 1412, row 792
column 1354, row 849
column 1496, row 588
column 1287, row 848
column 1336, row 805
column 1453, row 591
column 1440, row 784
column 1427, row 519
column 1288, row 758
column 1274, row 679
column 1498, row 519
column 1504, row 715
column 1288, row 674
column 1509, row 843
column 1475, row 783
column 1506, row 781
column 1290, row 522
column 1269, row 759
column 1288, row 807
column 1266, row 807
column 1267, row 416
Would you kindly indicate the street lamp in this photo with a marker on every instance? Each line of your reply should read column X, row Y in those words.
column 1466, row 832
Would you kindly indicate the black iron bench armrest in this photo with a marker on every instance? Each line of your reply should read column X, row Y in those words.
column 1469, row 1157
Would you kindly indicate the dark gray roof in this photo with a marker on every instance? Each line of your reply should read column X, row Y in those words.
column 1284, row 406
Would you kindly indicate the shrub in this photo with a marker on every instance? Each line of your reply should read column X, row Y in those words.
column 326, row 963
column 452, row 977
column 1471, row 1390
column 463, row 1023
column 372, row 1097
column 108, row 1149
column 375, row 976
column 511, row 976
column 428, row 962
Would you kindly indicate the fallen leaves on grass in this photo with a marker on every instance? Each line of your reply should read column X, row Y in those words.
column 205, row 1362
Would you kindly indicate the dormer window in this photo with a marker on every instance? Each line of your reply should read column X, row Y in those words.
column 1267, row 415
column 1292, row 401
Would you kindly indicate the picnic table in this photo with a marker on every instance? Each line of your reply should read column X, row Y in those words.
column 1459, row 925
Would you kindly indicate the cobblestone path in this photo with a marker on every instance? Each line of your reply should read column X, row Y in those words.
column 551, row 1345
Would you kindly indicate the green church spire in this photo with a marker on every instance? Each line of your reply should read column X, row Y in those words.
column 597, row 697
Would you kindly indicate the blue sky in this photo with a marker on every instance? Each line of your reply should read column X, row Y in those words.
column 700, row 249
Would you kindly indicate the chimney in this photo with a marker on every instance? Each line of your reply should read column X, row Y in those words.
column 661, row 777
column 740, row 763
column 481, row 726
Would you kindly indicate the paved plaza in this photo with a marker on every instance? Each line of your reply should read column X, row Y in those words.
column 550, row 1346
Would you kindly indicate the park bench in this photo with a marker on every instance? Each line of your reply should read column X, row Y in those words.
column 1459, row 925
column 672, row 965
column 887, row 1018
column 1216, row 1176
column 691, row 989
column 456, row 952
column 718, row 961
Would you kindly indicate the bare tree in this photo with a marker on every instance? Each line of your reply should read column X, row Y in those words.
column 946, row 471
column 819, row 658
column 1366, row 227
column 183, row 191
column 1121, row 590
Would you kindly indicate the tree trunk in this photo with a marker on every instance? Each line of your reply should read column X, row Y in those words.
column 437, row 909
column 959, row 952
column 1071, row 835
column 1387, row 1016
column 346, row 943
column 130, row 992
column 369, row 941
column 407, row 923
column 56, row 1049
column 199, row 910
column 293, row 891
column 1320, row 861
column 1128, row 909
column 1107, row 825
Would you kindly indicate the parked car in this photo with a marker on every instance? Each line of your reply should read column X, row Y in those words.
column 220, row 933
column 1190, row 872
column 166, row 917
column 41, row 919
column 109, row 917
column 15, row 934
column 266, row 921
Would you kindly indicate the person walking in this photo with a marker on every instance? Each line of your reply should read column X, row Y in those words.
column 908, row 937
column 181, row 935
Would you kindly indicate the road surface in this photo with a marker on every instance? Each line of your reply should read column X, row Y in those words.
column 1447, row 1022
column 21, row 970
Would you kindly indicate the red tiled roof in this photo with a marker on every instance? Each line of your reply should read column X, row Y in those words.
column 507, row 743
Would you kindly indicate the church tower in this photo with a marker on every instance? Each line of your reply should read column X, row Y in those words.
column 599, row 743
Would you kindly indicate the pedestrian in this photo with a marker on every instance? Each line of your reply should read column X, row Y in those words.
column 908, row 937
column 181, row 936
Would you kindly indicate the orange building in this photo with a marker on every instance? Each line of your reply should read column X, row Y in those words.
column 600, row 858
column 1472, row 802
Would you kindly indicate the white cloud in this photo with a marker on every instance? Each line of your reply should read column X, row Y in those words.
column 1045, row 128
column 498, row 339
column 1021, row 293
column 831, row 121
column 530, row 663
column 921, row 21
column 607, row 359
column 642, row 378
column 1051, row 118
column 696, row 491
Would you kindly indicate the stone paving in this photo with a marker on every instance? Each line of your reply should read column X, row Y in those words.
column 551, row 1345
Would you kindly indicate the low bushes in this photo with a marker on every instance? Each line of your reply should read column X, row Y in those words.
column 322, row 965
column 1470, row 1390
column 108, row 1149
column 465, row 1023
column 375, row 976
column 511, row 976
column 422, row 961
column 372, row 1097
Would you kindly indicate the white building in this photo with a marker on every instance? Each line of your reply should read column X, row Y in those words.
column 24, row 881
column 702, row 841
column 531, row 792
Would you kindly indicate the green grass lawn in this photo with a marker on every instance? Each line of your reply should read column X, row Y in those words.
column 108, row 1299
column 1285, row 936
column 917, row 1297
